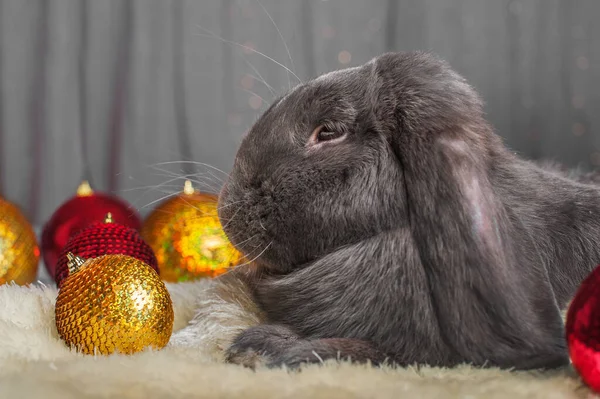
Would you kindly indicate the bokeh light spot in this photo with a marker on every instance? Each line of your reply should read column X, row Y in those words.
column 328, row 32
column 578, row 129
column 374, row 24
column 255, row 102
column 583, row 63
column 344, row 57
column 247, row 82
column 248, row 48
column 234, row 119
column 578, row 101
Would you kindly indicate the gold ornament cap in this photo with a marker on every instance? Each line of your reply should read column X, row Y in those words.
column 84, row 189
column 188, row 188
column 75, row 263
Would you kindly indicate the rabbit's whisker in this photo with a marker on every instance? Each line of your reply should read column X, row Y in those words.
column 259, row 77
column 200, row 180
column 159, row 200
column 282, row 39
column 254, row 94
column 234, row 215
column 257, row 256
column 192, row 162
column 247, row 48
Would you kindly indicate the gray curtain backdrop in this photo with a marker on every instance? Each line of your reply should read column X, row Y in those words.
column 121, row 91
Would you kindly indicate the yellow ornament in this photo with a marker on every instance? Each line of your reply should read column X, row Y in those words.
column 188, row 239
column 113, row 303
column 19, row 251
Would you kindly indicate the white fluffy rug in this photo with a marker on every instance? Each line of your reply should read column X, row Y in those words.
column 34, row 362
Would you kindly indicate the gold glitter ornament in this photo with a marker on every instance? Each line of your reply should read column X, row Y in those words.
column 188, row 239
column 113, row 303
column 19, row 251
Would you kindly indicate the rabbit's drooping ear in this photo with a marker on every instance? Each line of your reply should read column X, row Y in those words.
column 493, row 300
column 492, row 297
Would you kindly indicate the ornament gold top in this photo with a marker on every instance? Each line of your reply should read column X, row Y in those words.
column 108, row 218
column 84, row 189
column 75, row 262
column 188, row 189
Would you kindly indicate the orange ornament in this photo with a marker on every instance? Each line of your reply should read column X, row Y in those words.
column 188, row 239
column 113, row 303
column 19, row 251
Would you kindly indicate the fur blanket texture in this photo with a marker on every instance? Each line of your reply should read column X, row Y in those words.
column 35, row 363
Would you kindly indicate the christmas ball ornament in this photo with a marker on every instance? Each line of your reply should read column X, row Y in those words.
column 113, row 303
column 104, row 238
column 583, row 330
column 19, row 251
column 78, row 212
column 188, row 239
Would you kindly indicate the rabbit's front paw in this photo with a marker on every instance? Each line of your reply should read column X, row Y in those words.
column 260, row 345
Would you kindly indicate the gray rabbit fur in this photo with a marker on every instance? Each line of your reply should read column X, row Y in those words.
column 407, row 233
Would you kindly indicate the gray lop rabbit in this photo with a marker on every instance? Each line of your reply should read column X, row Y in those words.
column 393, row 225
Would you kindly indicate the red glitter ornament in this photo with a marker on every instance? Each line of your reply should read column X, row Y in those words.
column 583, row 330
column 78, row 212
column 105, row 238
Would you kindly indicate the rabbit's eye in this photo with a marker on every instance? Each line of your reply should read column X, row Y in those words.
column 322, row 133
